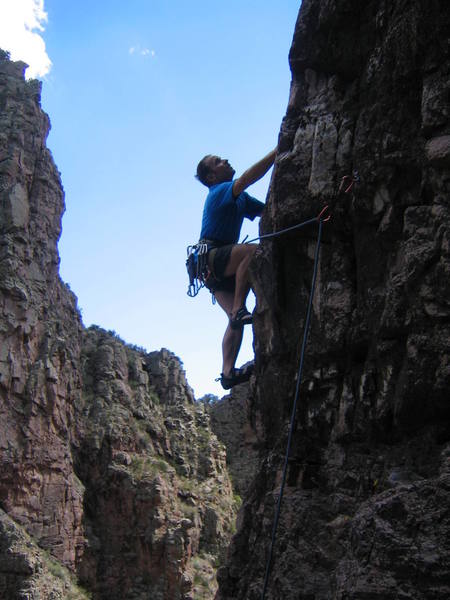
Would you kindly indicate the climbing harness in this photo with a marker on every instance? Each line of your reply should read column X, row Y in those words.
column 197, row 254
column 197, row 267
column 345, row 186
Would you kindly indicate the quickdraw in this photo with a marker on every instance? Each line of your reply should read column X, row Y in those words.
column 197, row 267
column 348, row 181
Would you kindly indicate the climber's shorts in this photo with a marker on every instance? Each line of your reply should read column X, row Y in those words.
column 218, row 260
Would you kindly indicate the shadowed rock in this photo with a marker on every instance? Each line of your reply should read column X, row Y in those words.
column 365, row 510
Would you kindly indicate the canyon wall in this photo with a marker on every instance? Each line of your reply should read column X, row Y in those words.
column 110, row 475
column 231, row 421
column 365, row 512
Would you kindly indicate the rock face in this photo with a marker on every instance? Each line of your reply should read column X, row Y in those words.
column 235, row 426
column 26, row 571
column 110, row 474
column 40, row 330
column 158, row 501
column 365, row 513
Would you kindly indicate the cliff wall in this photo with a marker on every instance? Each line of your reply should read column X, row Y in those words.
column 110, row 474
column 231, row 421
column 365, row 512
column 40, row 329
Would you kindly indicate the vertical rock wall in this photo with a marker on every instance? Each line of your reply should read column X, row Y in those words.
column 366, row 508
column 40, row 329
column 231, row 421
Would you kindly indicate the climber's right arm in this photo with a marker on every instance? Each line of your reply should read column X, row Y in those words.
column 254, row 173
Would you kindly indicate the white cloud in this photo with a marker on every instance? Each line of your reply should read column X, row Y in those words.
column 21, row 25
column 141, row 51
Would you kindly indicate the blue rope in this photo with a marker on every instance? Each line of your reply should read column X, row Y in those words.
column 294, row 407
column 276, row 233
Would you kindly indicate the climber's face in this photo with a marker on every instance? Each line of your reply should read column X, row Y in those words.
column 219, row 170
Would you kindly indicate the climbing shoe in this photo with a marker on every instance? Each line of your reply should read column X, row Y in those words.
column 241, row 318
column 236, row 376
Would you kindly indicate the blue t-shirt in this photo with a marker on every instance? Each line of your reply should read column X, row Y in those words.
column 223, row 214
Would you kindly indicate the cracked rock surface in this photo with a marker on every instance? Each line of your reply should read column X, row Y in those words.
column 366, row 508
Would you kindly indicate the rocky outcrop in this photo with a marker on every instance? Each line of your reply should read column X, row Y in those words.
column 158, row 502
column 365, row 511
column 234, row 425
column 109, row 471
column 27, row 571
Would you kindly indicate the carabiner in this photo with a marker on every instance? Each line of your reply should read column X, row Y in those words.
column 321, row 217
column 348, row 181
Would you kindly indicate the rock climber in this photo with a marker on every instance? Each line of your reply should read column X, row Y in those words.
column 226, row 206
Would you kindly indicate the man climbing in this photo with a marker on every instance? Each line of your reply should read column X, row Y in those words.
column 226, row 206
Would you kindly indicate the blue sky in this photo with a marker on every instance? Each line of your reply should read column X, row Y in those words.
column 137, row 93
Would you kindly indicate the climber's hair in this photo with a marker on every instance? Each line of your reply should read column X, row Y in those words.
column 203, row 171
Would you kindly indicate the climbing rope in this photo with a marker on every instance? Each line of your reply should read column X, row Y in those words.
column 345, row 187
column 320, row 217
column 294, row 406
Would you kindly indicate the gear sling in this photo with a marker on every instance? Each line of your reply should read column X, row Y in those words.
column 197, row 267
